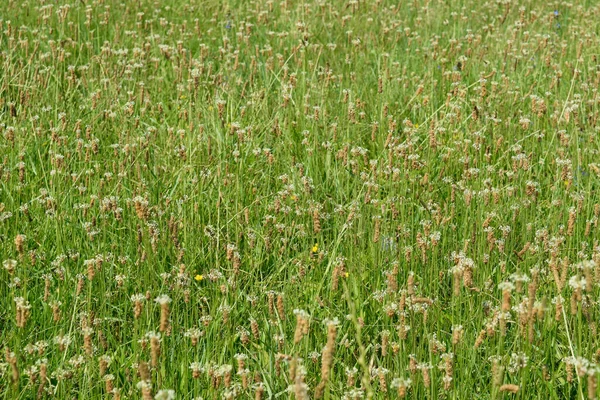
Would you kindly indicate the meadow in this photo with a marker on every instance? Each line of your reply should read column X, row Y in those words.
column 298, row 199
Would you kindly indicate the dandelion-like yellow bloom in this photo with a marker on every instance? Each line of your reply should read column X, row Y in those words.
column 198, row 278
column 315, row 248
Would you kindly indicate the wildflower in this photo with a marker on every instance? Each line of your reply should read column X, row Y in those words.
column 137, row 300
column 163, row 301
column 104, row 361
column 198, row 278
column 9, row 265
column 402, row 385
column 302, row 324
column 509, row 388
column 165, row 395
column 194, row 334
column 197, row 369
column 146, row 388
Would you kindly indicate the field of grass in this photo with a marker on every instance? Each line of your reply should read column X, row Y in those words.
column 299, row 199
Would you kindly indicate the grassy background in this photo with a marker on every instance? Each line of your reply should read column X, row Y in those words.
column 359, row 142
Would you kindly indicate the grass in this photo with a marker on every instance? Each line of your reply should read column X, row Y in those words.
column 281, row 199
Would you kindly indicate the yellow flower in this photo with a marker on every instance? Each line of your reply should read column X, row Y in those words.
column 346, row 274
column 315, row 248
column 293, row 197
column 198, row 277
column 417, row 126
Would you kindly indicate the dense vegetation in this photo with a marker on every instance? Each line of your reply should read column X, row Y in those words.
column 299, row 199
